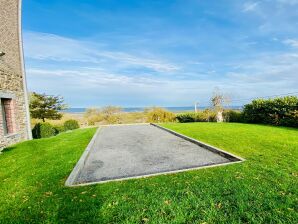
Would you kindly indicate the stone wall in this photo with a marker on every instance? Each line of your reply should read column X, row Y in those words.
column 12, row 76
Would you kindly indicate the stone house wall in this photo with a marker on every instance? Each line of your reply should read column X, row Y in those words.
column 14, row 114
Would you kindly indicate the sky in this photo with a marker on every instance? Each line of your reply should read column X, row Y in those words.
column 135, row 53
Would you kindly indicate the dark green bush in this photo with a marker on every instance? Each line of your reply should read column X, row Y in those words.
column 43, row 130
column 186, row 117
column 71, row 125
column 278, row 111
column 59, row 129
column 233, row 116
column 201, row 116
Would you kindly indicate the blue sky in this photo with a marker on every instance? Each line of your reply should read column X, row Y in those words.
column 160, row 52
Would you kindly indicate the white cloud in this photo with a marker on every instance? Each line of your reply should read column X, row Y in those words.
column 288, row 2
column 279, row 70
column 91, row 78
column 85, row 72
column 291, row 42
column 263, row 75
column 43, row 46
column 133, row 60
column 250, row 6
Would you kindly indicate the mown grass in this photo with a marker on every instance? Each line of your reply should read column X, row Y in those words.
column 263, row 189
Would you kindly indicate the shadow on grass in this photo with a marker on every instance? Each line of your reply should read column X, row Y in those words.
column 8, row 149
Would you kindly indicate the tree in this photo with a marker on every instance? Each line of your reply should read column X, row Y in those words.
column 218, row 100
column 44, row 106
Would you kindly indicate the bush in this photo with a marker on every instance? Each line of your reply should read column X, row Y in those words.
column 43, row 130
column 233, row 116
column 206, row 116
column 278, row 111
column 290, row 119
column 156, row 115
column 186, row 117
column 59, row 129
column 94, row 118
column 71, row 125
column 201, row 116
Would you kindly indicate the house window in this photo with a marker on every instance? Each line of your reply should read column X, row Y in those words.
column 7, row 116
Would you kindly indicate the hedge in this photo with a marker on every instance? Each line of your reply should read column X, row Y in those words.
column 281, row 111
column 201, row 116
column 233, row 116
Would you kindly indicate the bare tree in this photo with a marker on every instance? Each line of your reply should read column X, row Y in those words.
column 219, row 99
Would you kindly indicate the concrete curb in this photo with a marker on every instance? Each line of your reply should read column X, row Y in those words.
column 80, row 164
column 213, row 149
column 155, row 174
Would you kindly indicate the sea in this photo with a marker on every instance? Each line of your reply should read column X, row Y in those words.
column 140, row 109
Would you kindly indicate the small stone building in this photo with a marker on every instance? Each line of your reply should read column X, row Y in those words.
column 14, row 111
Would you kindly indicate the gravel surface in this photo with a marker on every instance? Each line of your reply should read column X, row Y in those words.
column 136, row 150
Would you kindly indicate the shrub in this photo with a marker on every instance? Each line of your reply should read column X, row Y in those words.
column 206, row 115
column 59, row 129
column 201, row 116
column 111, row 114
column 233, row 116
column 94, row 118
column 290, row 119
column 186, row 117
column 71, row 125
column 156, row 115
column 278, row 111
column 43, row 130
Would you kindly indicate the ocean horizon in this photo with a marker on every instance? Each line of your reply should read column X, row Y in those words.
column 140, row 109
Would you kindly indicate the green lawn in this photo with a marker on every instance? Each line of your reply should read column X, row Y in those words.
column 263, row 189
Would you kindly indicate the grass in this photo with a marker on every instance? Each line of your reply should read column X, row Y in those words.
column 263, row 189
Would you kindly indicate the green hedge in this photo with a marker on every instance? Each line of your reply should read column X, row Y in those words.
column 43, row 130
column 233, row 116
column 71, row 125
column 279, row 111
column 186, row 117
column 201, row 116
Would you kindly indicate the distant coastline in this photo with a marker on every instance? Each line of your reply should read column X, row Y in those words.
column 77, row 110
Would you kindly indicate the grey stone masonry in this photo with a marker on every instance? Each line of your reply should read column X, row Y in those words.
column 14, row 113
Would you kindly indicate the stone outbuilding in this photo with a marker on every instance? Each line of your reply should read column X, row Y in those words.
column 14, row 110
